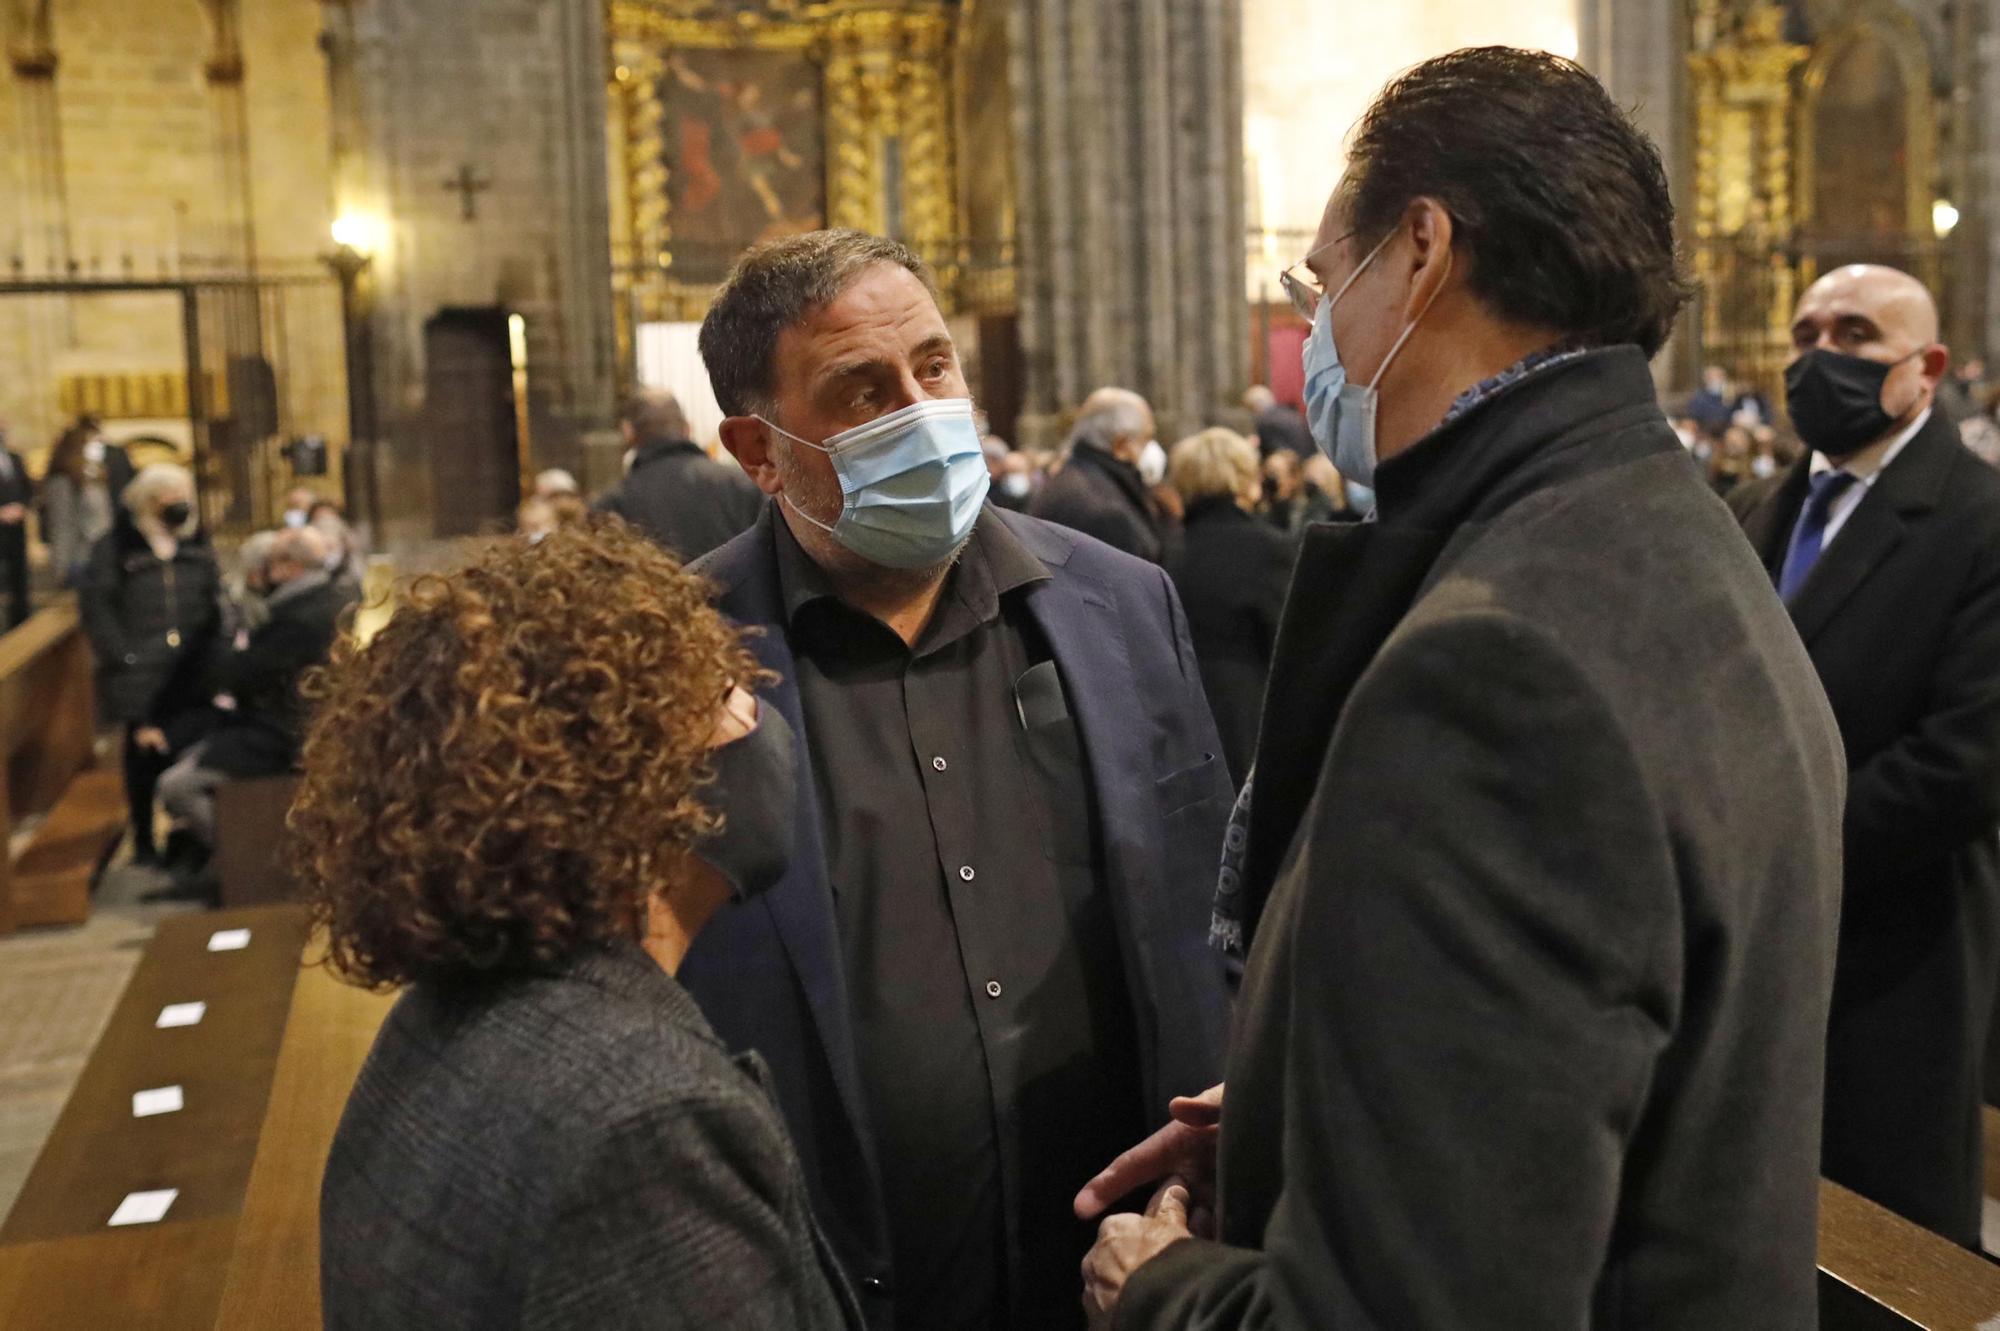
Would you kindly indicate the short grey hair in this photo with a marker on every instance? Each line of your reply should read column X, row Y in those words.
column 559, row 482
column 303, row 546
column 653, row 413
column 1117, row 416
column 771, row 288
column 254, row 555
column 142, row 493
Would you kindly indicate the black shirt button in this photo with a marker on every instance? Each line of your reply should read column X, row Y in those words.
column 993, row 988
column 965, row 872
column 938, row 764
column 876, row 1285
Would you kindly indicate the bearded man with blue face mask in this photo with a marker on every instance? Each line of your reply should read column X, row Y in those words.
column 986, row 967
column 1535, row 881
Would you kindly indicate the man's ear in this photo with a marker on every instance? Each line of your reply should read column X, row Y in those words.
column 1936, row 363
column 1430, row 228
column 750, row 444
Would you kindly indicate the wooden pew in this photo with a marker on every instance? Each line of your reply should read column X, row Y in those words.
column 1879, row 1272
column 60, row 1265
column 47, row 728
column 266, row 1073
column 250, row 838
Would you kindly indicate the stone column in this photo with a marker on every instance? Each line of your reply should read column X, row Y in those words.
column 1985, row 172
column 1638, row 49
column 38, row 125
column 236, row 226
column 1128, row 130
column 43, row 216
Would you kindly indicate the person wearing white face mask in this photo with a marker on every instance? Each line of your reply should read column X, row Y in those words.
column 1535, row 897
column 987, row 964
column 1105, row 490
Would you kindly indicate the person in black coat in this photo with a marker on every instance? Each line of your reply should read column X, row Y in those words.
column 257, row 682
column 547, row 1132
column 1885, row 540
column 152, row 603
column 1277, row 425
column 17, row 495
column 1540, row 866
column 1099, row 491
column 672, row 491
column 1231, row 573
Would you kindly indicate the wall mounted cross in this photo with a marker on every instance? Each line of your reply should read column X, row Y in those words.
column 468, row 185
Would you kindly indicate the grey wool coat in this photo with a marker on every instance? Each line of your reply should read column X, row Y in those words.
column 571, row 1149
column 1542, row 885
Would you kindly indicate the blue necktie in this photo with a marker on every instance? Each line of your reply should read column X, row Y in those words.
column 1809, row 537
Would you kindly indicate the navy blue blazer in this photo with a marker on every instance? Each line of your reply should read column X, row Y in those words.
column 768, row 972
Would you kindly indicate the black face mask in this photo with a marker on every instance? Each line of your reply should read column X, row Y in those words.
column 1836, row 401
column 756, row 792
column 175, row 515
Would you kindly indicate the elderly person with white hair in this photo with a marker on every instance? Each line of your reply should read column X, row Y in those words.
column 258, row 683
column 1100, row 492
column 152, row 604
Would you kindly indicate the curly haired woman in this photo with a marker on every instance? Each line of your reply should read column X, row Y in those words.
column 523, row 799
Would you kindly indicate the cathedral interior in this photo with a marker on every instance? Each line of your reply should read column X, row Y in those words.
column 425, row 246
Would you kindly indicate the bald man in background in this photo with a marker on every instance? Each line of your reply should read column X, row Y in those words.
column 672, row 490
column 1099, row 492
column 1884, row 542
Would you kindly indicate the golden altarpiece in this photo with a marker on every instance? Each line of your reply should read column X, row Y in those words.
column 734, row 123
column 1814, row 146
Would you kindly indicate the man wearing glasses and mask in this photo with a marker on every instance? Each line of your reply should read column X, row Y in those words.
column 1542, row 856
column 987, row 966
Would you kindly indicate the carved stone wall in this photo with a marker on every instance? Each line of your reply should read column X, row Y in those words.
column 474, row 132
column 1129, row 159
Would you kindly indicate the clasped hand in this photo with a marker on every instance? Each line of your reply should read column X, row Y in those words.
column 1181, row 1158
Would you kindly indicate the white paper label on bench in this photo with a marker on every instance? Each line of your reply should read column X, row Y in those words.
column 144, row 1208
column 181, row 1014
column 229, row 940
column 159, row 1100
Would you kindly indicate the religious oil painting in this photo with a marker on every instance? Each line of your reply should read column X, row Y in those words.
column 745, row 152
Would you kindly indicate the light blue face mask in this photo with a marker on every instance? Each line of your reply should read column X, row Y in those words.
column 911, row 482
column 1340, row 414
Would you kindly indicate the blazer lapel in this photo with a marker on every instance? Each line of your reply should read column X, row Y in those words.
column 1353, row 584
column 1870, row 533
column 1907, row 488
column 1087, row 636
column 1769, row 525
column 800, row 906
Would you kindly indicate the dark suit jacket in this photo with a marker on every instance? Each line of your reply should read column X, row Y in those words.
column 262, row 736
column 1231, row 573
column 1902, row 617
column 566, row 1149
column 1100, row 496
column 17, row 487
column 769, row 972
column 1544, row 827
column 683, row 500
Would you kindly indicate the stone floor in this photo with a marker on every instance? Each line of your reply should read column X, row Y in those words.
column 57, row 990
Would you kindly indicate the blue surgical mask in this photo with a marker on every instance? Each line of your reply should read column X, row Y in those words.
column 1340, row 414
column 911, row 482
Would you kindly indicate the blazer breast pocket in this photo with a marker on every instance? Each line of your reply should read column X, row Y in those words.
column 1191, row 785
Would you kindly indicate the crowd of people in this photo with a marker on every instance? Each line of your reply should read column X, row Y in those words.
column 1422, row 862
column 824, row 927
column 203, row 671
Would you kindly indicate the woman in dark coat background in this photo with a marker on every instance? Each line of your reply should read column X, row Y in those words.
column 152, row 605
column 1231, row 573
column 523, row 799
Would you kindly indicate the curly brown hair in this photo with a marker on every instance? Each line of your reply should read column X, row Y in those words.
column 504, row 775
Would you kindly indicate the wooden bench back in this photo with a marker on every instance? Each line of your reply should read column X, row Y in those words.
column 47, row 721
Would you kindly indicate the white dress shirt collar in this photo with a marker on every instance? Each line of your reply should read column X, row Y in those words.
column 1864, row 467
